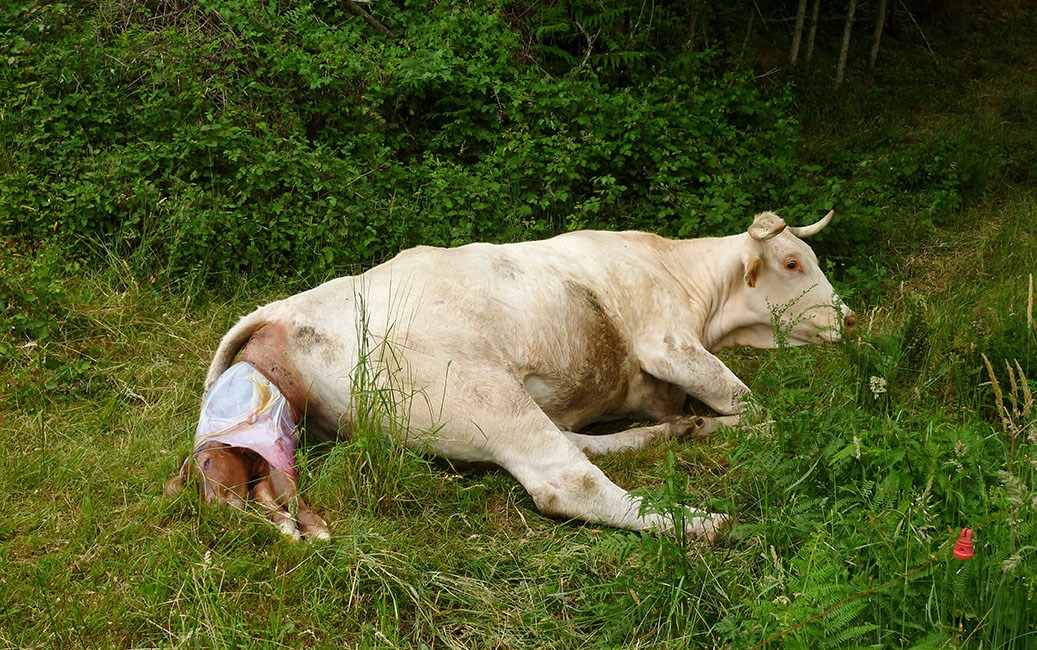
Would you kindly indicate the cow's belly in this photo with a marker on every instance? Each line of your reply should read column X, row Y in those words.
column 637, row 396
column 592, row 387
column 652, row 398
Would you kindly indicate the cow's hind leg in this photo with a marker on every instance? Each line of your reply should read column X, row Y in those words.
column 690, row 427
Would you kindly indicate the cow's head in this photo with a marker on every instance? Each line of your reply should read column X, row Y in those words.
column 786, row 298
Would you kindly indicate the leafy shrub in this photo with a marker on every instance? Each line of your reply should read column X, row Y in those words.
column 31, row 294
column 233, row 137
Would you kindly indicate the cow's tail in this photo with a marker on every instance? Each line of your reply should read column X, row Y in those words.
column 232, row 342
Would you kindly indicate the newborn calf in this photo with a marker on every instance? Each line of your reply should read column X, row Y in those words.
column 244, row 451
column 235, row 476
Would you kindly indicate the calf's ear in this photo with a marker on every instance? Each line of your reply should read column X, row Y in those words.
column 174, row 485
column 753, row 265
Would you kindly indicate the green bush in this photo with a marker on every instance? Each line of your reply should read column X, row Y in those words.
column 235, row 137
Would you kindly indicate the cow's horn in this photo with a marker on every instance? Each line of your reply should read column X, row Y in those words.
column 766, row 225
column 806, row 231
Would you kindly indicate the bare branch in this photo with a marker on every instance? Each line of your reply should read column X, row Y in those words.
column 590, row 44
column 352, row 7
column 919, row 28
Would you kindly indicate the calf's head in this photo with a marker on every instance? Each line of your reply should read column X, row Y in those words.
column 786, row 298
column 221, row 473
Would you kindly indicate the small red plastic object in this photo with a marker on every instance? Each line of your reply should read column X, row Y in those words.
column 963, row 547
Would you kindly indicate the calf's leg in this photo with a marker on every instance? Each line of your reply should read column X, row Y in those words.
column 286, row 496
column 265, row 498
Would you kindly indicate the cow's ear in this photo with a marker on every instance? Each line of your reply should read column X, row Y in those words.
column 752, row 270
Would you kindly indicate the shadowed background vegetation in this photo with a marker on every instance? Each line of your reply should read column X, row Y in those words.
column 167, row 165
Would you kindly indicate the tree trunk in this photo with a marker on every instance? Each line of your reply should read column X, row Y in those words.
column 880, row 24
column 748, row 34
column 693, row 25
column 814, row 14
column 844, row 51
column 797, row 33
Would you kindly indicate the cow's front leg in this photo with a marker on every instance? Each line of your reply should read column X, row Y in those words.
column 700, row 374
column 683, row 427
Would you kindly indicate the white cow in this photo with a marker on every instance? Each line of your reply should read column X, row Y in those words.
column 503, row 353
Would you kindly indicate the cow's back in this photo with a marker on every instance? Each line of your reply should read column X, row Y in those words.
column 541, row 311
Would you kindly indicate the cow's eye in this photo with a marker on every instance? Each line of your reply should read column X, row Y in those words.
column 791, row 264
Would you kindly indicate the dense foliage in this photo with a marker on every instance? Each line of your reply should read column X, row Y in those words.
column 297, row 139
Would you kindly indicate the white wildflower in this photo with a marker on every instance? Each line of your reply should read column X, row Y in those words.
column 1011, row 563
column 960, row 449
column 877, row 386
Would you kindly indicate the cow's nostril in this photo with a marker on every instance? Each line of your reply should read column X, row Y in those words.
column 850, row 321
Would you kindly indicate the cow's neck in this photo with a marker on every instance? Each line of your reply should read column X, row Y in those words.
column 711, row 271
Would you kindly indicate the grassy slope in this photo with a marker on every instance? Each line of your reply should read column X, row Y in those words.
column 92, row 555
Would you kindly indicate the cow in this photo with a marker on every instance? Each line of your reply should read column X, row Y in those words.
column 503, row 354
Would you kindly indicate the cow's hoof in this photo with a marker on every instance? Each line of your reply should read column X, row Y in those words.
column 695, row 427
column 689, row 428
column 711, row 529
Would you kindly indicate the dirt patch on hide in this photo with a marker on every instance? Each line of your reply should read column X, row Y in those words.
column 600, row 373
column 307, row 340
column 505, row 268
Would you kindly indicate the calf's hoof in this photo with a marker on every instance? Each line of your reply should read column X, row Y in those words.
column 312, row 526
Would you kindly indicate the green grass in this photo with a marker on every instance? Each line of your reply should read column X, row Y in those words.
column 848, row 498
column 849, row 494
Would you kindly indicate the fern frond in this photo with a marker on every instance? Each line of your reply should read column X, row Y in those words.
column 853, row 633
